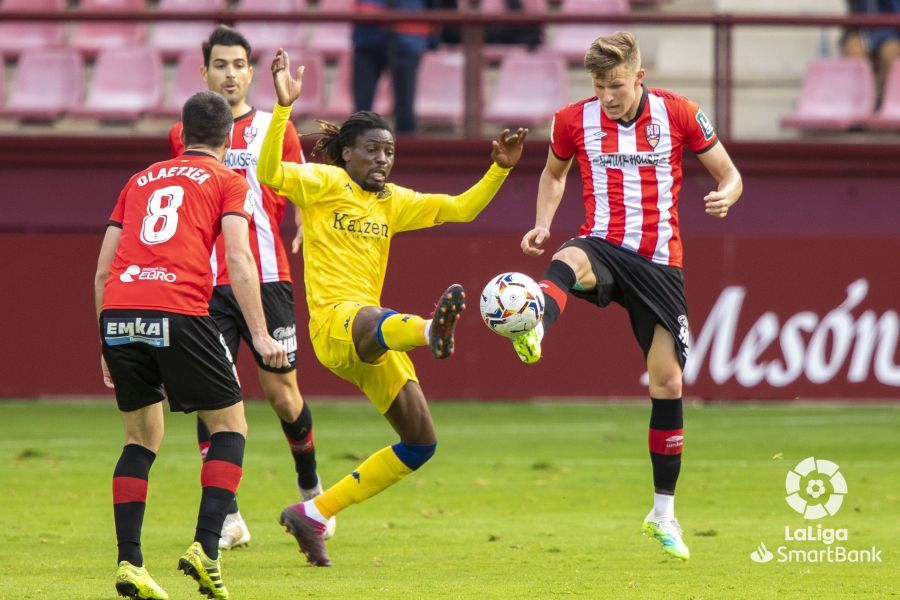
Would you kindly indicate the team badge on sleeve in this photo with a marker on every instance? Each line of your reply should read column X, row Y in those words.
column 651, row 132
column 705, row 124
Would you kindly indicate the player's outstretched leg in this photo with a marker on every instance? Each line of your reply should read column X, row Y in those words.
column 555, row 282
column 446, row 315
column 205, row 571
column 309, row 533
column 309, row 494
column 135, row 582
column 667, row 532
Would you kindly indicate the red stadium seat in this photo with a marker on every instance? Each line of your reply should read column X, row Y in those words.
column 312, row 97
column 184, row 84
column 173, row 38
column 126, row 84
column 888, row 116
column 20, row 36
column 530, row 88
column 48, row 83
column 277, row 33
column 337, row 5
column 837, row 93
column 331, row 39
column 341, row 105
column 90, row 38
column 572, row 40
column 440, row 88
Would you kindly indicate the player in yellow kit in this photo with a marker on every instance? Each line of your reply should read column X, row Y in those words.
column 350, row 213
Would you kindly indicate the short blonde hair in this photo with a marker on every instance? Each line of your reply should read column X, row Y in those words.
column 611, row 51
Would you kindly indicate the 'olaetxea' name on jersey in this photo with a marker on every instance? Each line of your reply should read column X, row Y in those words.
column 194, row 173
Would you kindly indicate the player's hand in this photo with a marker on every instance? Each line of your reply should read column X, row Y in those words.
column 107, row 379
column 297, row 241
column 533, row 241
column 272, row 352
column 506, row 150
column 287, row 88
column 717, row 204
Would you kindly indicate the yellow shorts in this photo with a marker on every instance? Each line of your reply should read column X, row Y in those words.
column 333, row 344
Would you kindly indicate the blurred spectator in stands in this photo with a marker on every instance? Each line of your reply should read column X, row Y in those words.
column 396, row 47
column 881, row 45
column 530, row 36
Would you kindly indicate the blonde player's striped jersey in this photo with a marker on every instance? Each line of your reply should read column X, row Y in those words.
column 347, row 231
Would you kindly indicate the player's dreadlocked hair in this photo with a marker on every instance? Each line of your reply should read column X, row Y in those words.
column 334, row 139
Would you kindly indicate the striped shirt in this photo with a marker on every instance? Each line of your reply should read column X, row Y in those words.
column 631, row 171
column 265, row 236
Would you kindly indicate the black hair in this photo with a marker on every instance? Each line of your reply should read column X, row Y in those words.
column 224, row 35
column 207, row 120
column 334, row 139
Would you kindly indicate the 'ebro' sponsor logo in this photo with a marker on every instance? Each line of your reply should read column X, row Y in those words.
column 137, row 273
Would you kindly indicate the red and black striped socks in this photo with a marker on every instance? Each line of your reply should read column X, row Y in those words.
column 666, row 442
column 557, row 280
column 220, row 476
column 299, row 436
column 129, row 487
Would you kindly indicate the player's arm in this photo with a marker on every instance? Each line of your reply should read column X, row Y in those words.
column 550, row 192
column 719, row 165
column 298, row 237
column 104, row 262
column 506, row 151
column 283, row 177
column 245, row 284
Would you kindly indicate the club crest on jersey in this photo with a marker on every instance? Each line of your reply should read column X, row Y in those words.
column 250, row 134
column 651, row 132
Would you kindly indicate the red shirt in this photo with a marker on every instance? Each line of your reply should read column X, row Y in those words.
column 265, row 238
column 631, row 172
column 171, row 214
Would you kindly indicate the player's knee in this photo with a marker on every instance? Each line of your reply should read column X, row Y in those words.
column 414, row 455
column 577, row 261
column 667, row 384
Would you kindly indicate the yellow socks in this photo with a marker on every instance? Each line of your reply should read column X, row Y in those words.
column 402, row 332
column 378, row 472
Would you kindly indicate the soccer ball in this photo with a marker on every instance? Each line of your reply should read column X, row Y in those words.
column 512, row 304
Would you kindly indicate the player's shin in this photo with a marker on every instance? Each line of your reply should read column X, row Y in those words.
column 401, row 332
column 378, row 472
column 556, row 281
column 220, row 475
column 299, row 436
column 666, row 441
column 129, row 500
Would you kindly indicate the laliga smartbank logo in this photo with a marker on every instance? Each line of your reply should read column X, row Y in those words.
column 815, row 488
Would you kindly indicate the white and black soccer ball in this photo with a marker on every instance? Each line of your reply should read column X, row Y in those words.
column 512, row 304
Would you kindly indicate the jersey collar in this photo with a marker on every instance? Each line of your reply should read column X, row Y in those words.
column 637, row 115
column 245, row 115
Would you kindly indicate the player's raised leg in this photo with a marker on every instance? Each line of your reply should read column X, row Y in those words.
column 410, row 417
column 666, row 440
column 570, row 268
column 143, row 436
column 220, row 475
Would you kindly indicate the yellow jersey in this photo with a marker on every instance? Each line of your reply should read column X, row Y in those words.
column 347, row 230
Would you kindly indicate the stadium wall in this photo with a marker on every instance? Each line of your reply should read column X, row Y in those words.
column 792, row 296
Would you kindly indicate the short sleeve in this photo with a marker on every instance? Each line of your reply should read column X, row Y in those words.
column 413, row 210
column 118, row 214
column 698, row 131
column 238, row 197
column 561, row 142
column 176, row 148
column 291, row 150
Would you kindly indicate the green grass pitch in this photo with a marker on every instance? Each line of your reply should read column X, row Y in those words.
column 520, row 501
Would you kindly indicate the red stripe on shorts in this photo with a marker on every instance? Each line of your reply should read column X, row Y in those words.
column 666, row 441
column 221, row 474
column 129, row 489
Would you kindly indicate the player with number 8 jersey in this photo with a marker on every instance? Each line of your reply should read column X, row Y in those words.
column 177, row 206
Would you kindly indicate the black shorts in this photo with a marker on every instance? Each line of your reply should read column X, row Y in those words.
column 148, row 350
column 278, row 304
column 651, row 293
